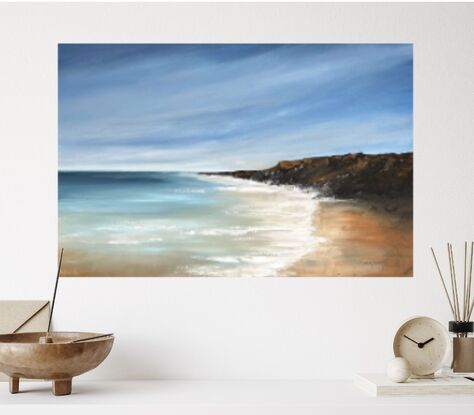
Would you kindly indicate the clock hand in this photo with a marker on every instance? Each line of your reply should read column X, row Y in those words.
column 418, row 344
column 427, row 341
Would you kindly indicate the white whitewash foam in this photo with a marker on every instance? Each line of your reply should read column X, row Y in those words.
column 284, row 234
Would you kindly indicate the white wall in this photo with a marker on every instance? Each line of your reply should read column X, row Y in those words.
column 234, row 328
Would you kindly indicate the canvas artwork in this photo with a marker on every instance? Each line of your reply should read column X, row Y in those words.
column 236, row 160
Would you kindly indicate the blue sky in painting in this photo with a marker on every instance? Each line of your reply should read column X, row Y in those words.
column 226, row 107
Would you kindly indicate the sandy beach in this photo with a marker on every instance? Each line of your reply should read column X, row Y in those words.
column 250, row 230
column 359, row 239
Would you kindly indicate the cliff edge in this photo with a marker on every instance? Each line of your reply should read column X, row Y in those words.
column 349, row 176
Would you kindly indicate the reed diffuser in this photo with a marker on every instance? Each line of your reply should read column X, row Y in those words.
column 461, row 325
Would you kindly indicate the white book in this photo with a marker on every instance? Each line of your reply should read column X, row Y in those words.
column 377, row 384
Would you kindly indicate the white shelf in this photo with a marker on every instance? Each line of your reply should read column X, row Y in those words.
column 220, row 397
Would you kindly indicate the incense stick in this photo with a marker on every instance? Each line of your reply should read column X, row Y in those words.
column 55, row 290
column 31, row 317
column 91, row 338
column 444, row 284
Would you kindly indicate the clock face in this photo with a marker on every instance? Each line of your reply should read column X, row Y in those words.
column 424, row 342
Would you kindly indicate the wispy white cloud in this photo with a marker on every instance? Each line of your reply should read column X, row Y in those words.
column 206, row 107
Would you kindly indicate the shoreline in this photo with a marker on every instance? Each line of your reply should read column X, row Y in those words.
column 360, row 239
column 368, row 236
column 371, row 236
column 260, row 230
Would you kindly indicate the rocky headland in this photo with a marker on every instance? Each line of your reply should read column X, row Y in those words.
column 348, row 176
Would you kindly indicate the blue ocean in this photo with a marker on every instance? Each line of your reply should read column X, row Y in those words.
column 180, row 224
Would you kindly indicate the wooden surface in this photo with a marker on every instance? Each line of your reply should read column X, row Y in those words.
column 223, row 397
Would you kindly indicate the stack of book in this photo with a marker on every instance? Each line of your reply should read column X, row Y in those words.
column 376, row 384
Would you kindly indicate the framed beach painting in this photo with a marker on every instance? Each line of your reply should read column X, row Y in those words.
column 236, row 160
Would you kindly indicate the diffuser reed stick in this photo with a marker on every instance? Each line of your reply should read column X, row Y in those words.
column 470, row 284
column 461, row 313
column 453, row 282
column 464, row 293
column 444, row 284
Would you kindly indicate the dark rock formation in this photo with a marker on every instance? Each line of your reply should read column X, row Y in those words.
column 349, row 176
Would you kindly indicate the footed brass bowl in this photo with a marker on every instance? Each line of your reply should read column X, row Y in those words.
column 23, row 356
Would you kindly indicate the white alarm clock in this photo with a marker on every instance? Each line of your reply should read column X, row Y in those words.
column 424, row 343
